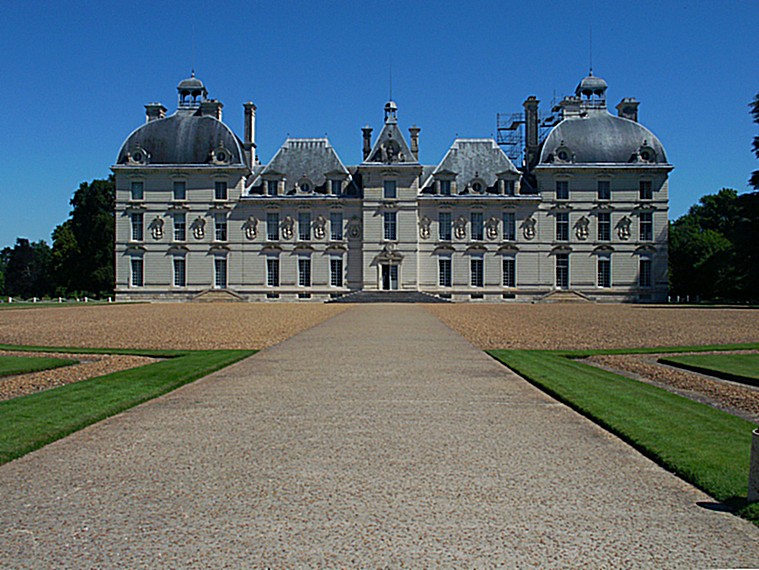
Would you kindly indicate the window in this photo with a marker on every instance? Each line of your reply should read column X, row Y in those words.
column 220, row 273
column 220, row 227
column 304, row 272
column 646, row 190
column 444, row 226
column 562, row 189
column 137, row 191
column 390, row 189
column 180, row 190
column 509, row 187
column 644, row 272
column 304, row 226
column 604, row 226
column 137, row 272
column 391, row 231
column 562, row 226
column 272, row 226
column 646, row 226
column 337, row 186
column 445, row 187
column 604, row 272
column 272, row 272
column 509, row 226
column 220, row 190
column 180, row 273
column 336, row 226
column 180, row 226
column 444, row 271
column 477, row 229
column 477, row 277
column 604, row 190
column 562, row 270
column 336, row 272
column 272, row 187
column 137, row 227
column 509, row 272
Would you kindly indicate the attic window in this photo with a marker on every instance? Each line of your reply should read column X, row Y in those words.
column 647, row 154
column 305, row 186
column 477, row 186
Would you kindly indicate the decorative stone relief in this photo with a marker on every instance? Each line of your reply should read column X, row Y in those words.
column 623, row 228
column 320, row 224
column 156, row 228
column 424, row 227
column 354, row 228
column 459, row 227
column 582, row 228
column 198, row 228
column 250, row 227
column 528, row 228
column 287, row 227
column 491, row 228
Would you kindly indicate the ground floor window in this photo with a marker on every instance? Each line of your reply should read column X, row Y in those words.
column 336, row 272
column 304, row 272
column 180, row 273
column 604, row 272
column 444, row 272
column 137, row 272
column 562, row 270
column 477, row 273
column 509, row 272
column 220, row 273
column 644, row 272
column 272, row 272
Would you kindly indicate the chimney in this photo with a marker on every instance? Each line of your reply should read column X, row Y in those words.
column 211, row 108
column 571, row 106
column 531, row 131
column 414, row 132
column 154, row 111
column 250, row 133
column 628, row 109
column 367, row 130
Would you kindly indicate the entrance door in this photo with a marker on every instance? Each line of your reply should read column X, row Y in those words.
column 389, row 277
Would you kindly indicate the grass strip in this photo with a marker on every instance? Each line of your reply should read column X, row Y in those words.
column 737, row 367
column 10, row 365
column 584, row 353
column 85, row 350
column 29, row 422
column 705, row 446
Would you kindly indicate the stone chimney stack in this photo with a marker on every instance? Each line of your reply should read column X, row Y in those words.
column 414, row 132
column 531, row 131
column 250, row 133
column 367, row 130
column 211, row 108
column 628, row 108
column 154, row 111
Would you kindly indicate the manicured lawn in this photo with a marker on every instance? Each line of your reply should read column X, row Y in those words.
column 29, row 422
column 21, row 364
column 705, row 446
column 738, row 367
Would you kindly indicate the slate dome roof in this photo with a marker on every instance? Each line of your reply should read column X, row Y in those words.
column 591, row 85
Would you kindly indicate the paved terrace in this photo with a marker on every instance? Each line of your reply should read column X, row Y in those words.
column 380, row 438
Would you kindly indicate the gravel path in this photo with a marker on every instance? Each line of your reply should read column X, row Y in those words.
column 380, row 438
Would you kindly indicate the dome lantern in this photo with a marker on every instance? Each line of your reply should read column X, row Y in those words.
column 191, row 92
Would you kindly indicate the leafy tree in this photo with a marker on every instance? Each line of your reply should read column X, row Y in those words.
column 754, row 180
column 4, row 257
column 27, row 273
column 65, row 257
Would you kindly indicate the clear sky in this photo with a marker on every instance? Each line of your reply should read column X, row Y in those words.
column 75, row 76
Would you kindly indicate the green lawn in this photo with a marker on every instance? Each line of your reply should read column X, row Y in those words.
column 703, row 445
column 29, row 422
column 10, row 365
column 738, row 367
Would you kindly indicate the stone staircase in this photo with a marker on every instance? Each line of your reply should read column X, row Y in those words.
column 217, row 296
column 564, row 296
column 388, row 297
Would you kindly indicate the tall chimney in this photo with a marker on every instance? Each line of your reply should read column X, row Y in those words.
column 154, row 111
column 414, row 132
column 211, row 108
column 367, row 130
column 531, row 131
column 250, row 133
column 628, row 108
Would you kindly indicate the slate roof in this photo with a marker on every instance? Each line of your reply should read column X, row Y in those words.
column 471, row 159
column 390, row 137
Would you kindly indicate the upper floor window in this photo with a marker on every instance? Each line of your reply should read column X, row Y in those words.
column 509, row 226
column 180, row 190
column 646, row 190
column 220, row 190
column 220, row 227
column 337, row 186
column 390, row 189
column 604, row 190
column 646, row 226
column 444, row 226
column 180, row 226
column 336, row 226
column 562, row 189
column 272, row 187
column 477, row 226
column 562, row 226
column 509, row 187
column 391, row 229
column 138, row 227
column 304, row 226
column 138, row 192
column 445, row 187
column 272, row 226
column 604, row 226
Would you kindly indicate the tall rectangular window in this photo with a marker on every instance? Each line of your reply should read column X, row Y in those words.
column 644, row 272
column 477, row 273
column 336, row 226
column 180, row 190
column 604, row 190
column 137, row 272
column 445, row 187
column 646, row 226
column 220, row 190
column 272, row 272
column 477, row 226
column 337, row 187
column 220, row 272
column 444, row 271
column 220, row 227
column 509, row 187
column 509, row 226
column 562, row 226
column 604, row 226
column 646, row 190
column 562, row 189
column 272, row 226
column 336, row 271
column 444, row 226
column 180, row 273
column 304, row 226
column 304, row 272
column 509, row 272
column 271, row 187
column 391, row 229
column 138, row 192
column 138, row 227
column 180, row 226
column 562, row 270
column 390, row 189
column 604, row 272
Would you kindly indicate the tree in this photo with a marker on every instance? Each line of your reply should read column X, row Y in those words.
column 754, row 180
column 27, row 273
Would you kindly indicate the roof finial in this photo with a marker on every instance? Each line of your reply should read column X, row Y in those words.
column 391, row 77
column 590, row 48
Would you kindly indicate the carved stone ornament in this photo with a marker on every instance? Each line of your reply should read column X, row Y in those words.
column 528, row 228
column 250, row 227
column 354, row 228
column 459, row 227
column 623, row 228
column 491, row 228
column 287, row 227
column 582, row 228
column 424, row 227
column 156, row 228
column 198, row 228
column 320, row 224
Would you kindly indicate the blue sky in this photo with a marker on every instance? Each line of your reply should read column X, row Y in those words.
column 75, row 76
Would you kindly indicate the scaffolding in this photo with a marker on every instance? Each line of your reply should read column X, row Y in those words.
column 509, row 128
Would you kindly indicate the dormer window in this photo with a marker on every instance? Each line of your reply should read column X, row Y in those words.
column 337, row 186
column 477, row 187
column 646, row 153
column 305, row 187
column 445, row 187
column 272, row 187
column 509, row 187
